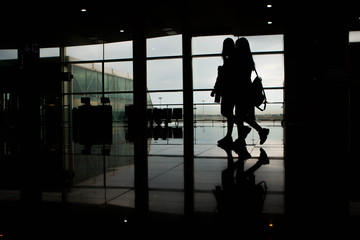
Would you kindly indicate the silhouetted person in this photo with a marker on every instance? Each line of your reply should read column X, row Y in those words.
column 234, row 85
column 241, row 90
column 223, row 85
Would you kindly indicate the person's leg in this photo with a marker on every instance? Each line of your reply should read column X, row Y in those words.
column 240, row 128
column 263, row 132
column 243, row 131
column 227, row 108
column 230, row 125
column 240, row 143
column 254, row 125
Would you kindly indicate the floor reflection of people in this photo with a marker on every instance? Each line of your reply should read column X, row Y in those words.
column 239, row 194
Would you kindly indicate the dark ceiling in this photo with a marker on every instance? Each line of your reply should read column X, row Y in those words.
column 63, row 22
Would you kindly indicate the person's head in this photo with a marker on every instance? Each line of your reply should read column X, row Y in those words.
column 228, row 48
column 244, row 52
column 243, row 46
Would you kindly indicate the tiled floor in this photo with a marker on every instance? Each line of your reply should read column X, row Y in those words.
column 166, row 178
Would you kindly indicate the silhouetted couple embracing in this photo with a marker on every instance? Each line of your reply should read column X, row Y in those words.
column 233, row 84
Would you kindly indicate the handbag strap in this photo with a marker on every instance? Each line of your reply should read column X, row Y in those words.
column 265, row 100
column 256, row 71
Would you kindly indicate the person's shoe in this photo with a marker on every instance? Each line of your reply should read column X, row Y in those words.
column 264, row 159
column 239, row 147
column 244, row 154
column 237, row 144
column 227, row 140
column 263, row 135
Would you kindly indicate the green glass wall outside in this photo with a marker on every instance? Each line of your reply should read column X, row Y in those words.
column 118, row 87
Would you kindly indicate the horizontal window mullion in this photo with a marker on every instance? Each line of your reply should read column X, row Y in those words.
column 98, row 93
column 210, row 89
column 168, row 90
column 164, row 57
column 219, row 54
column 98, row 61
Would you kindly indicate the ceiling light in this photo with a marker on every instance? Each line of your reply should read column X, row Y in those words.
column 269, row 6
column 83, row 9
column 122, row 30
column 269, row 22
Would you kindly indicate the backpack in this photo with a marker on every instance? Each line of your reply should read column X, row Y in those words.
column 258, row 93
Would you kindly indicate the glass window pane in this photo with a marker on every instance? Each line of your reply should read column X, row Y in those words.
column 266, row 43
column 208, row 112
column 87, row 52
column 49, row 52
column 213, row 44
column 164, row 74
column 271, row 109
column 203, row 97
column 95, row 99
column 354, row 36
column 271, row 69
column 164, row 46
column 8, row 54
column 209, row 44
column 118, row 50
column 86, row 77
column 274, row 95
column 118, row 102
column 163, row 99
column 205, row 71
column 118, row 76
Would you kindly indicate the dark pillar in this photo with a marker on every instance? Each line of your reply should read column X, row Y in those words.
column 188, row 126
column 354, row 127
column 140, row 138
column 28, row 124
column 316, row 125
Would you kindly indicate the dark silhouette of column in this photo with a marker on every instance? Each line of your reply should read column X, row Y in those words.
column 140, row 141
column 28, row 123
column 188, row 126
